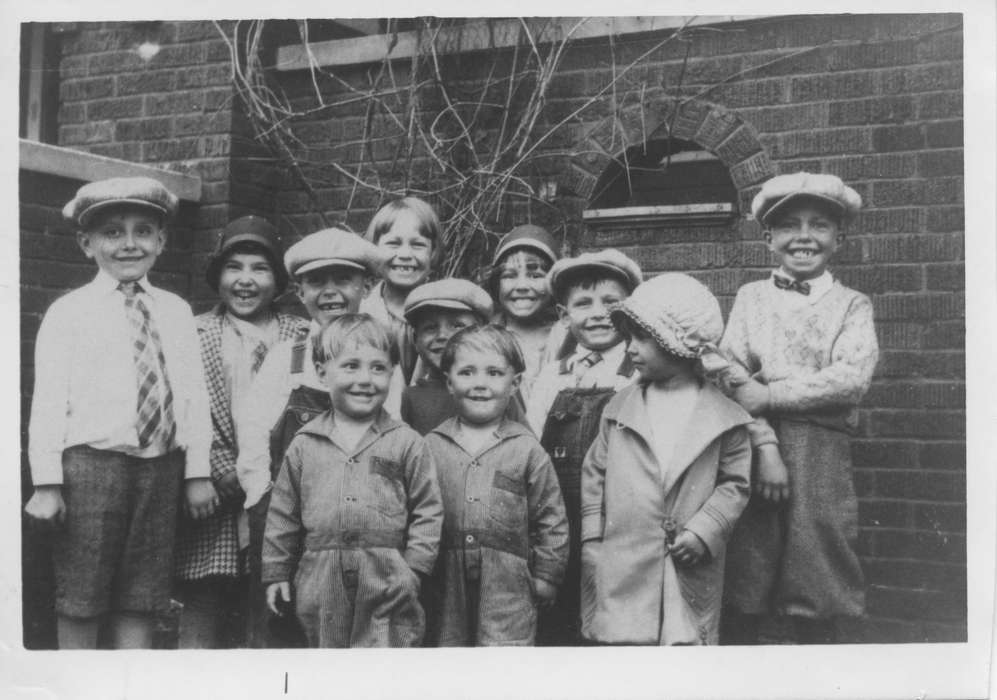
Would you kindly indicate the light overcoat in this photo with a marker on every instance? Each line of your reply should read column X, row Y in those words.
column 632, row 593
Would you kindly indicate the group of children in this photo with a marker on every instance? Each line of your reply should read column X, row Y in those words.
column 563, row 456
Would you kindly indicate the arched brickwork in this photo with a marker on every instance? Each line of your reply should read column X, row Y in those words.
column 712, row 126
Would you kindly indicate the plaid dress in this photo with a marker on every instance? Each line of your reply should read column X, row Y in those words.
column 210, row 547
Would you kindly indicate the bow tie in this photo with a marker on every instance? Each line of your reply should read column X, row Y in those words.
column 791, row 285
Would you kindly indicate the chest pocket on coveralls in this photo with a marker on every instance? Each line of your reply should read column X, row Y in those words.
column 387, row 485
column 508, row 506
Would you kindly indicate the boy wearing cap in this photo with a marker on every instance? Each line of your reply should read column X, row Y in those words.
column 569, row 396
column 806, row 348
column 437, row 310
column 332, row 270
column 119, row 421
column 247, row 271
column 666, row 478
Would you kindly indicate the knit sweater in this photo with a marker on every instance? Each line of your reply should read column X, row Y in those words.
column 812, row 356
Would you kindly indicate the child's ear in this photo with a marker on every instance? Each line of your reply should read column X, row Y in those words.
column 368, row 284
column 562, row 313
column 83, row 240
column 296, row 289
column 517, row 380
column 320, row 371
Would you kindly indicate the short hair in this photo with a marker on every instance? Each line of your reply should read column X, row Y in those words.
column 484, row 338
column 586, row 278
column 493, row 276
column 351, row 330
column 429, row 222
column 256, row 248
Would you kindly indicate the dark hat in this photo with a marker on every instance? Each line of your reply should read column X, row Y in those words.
column 248, row 229
column 116, row 191
column 450, row 293
column 780, row 190
column 330, row 247
column 531, row 237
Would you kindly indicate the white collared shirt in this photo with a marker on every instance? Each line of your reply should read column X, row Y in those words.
column 86, row 389
column 552, row 380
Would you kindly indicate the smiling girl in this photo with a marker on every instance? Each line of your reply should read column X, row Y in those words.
column 407, row 232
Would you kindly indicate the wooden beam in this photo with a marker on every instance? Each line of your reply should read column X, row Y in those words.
column 36, row 77
column 479, row 36
column 708, row 211
column 87, row 167
column 361, row 26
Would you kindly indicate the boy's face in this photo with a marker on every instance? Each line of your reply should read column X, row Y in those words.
column 522, row 290
column 409, row 253
column 330, row 292
column 481, row 382
column 434, row 327
column 357, row 380
column 803, row 238
column 124, row 241
column 586, row 313
column 247, row 285
column 653, row 363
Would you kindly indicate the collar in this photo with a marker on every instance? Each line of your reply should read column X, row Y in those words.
column 819, row 286
column 106, row 284
column 323, row 424
column 615, row 356
column 505, row 430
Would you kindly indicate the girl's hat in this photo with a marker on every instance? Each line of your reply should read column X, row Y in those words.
column 530, row 237
column 450, row 293
column 116, row 191
column 609, row 262
column 679, row 312
column 779, row 191
column 248, row 229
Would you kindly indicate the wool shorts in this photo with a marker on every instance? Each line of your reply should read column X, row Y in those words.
column 115, row 551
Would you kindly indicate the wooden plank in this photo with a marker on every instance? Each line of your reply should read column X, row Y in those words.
column 705, row 210
column 481, row 35
column 361, row 26
column 87, row 167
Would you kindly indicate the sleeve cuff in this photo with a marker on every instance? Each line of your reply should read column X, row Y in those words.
column 550, row 571
column 592, row 527
column 276, row 573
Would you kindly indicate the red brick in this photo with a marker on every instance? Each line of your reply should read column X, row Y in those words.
column 115, row 62
column 943, row 335
column 940, row 163
column 36, row 300
column 101, row 41
column 175, row 103
column 915, row 575
column 175, row 149
column 932, row 605
column 889, row 54
column 195, row 31
column 180, row 55
column 837, row 86
column 717, row 126
column 885, row 454
column 838, row 141
column 944, row 134
column 91, row 132
column 918, row 248
column 918, row 424
column 919, row 545
column 751, row 93
column 851, row 168
column 939, row 517
column 144, row 129
column 944, row 455
column 72, row 114
column 884, row 513
column 907, row 220
column 899, row 335
column 202, row 76
column 879, row 110
column 787, row 118
column 86, row 89
column 73, row 67
column 738, row 146
column 946, row 219
column 147, row 81
column 934, row 364
column 909, row 137
column 52, row 274
column 916, row 395
column 882, row 278
column 121, row 151
column 939, row 105
column 950, row 276
column 116, row 108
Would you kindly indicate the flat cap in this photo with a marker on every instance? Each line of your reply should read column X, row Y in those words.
column 329, row 247
column 779, row 191
column 450, row 293
column 608, row 261
column 116, row 191
column 530, row 237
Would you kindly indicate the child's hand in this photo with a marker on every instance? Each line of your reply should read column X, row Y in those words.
column 772, row 482
column 201, row 498
column 753, row 396
column 228, row 487
column 545, row 592
column 280, row 590
column 46, row 505
column 688, row 549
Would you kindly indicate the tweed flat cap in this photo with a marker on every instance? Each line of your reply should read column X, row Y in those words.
column 530, row 237
column 779, row 191
column 329, row 247
column 115, row 191
column 450, row 293
column 248, row 229
column 605, row 261
column 678, row 311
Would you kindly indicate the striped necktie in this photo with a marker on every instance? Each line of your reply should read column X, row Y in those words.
column 584, row 364
column 155, row 423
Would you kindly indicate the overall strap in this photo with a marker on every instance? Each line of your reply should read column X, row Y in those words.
column 298, row 357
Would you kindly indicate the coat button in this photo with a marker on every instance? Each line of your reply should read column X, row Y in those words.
column 305, row 416
column 469, row 539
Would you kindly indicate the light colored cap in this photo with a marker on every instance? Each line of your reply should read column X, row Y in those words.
column 116, row 191
column 530, row 237
column 777, row 192
column 678, row 311
column 607, row 261
column 330, row 247
column 450, row 293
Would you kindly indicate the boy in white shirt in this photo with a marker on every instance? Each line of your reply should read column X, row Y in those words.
column 119, row 421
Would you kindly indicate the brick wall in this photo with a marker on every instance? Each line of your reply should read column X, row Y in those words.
column 876, row 100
